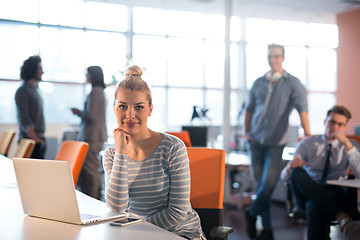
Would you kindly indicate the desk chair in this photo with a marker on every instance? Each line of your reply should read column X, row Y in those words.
column 184, row 136
column 5, row 141
column 207, row 170
column 75, row 153
column 25, row 148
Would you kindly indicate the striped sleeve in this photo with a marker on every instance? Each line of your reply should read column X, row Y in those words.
column 116, row 180
column 179, row 189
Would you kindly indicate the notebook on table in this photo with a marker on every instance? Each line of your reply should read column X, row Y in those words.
column 47, row 190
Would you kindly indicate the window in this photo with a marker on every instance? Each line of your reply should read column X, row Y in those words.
column 150, row 52
column 14, row 50
column 181, row 53
column 105, row 16
column 62, row 54
column 28, row 12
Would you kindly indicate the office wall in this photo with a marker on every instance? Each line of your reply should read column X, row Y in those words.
column 348, row 92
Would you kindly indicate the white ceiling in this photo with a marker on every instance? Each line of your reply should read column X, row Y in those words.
column 323, row 11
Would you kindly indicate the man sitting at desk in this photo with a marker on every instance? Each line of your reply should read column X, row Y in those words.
column 321, row 158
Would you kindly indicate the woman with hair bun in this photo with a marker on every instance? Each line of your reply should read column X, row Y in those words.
column 147, row 173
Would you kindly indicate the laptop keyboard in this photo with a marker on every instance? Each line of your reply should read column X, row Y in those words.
column 85, row 216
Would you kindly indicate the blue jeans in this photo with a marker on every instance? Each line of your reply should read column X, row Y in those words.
column 322, row 203
column 266, row 165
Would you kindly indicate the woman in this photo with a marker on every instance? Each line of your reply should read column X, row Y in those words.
column 92, row 131
column 147, row 173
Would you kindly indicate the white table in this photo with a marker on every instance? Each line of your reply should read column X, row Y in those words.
column 14, row 225
column 355, row 183
column 239, row 162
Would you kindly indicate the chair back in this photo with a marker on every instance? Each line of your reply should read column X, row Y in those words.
column 184, row 136
column 5, row 141
column 354, row 137
column 74, row 152
column 207, row 170
column 25, row 148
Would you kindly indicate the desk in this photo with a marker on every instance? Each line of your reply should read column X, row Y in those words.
column 14, row 225
column 239, row 163
column 355, row 183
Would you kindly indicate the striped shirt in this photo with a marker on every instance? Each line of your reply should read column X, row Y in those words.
column 156, row 189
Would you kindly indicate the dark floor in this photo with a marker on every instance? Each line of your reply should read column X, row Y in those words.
column 282, row 225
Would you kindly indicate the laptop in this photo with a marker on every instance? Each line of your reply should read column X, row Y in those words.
column 47, row 191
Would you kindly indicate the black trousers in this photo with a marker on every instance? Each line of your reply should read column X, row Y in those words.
column 39, row 151
column 322, row 203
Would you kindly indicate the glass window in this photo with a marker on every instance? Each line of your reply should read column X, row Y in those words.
column 235, row 29
column 214, row 26
column 290, row 33
column 7, row 103
column 256, row 63
column 54, row 12
column 259, row 30
column 180, row 105
column 105, row 16
column 149, row 52
column 237, row 63
column 185, row 24
column 22, row 10
column 234, row 66
column 185, row 62
column 319, row 104
column 18, row 42
column 295, row 62
column 323, row 35
column 111, row 123
column 149, row 20
column 157, row 120
column 237, row 104
column 214, row 102
column 214, row 64
column 62, row 52
column 322, row 69
column 107, row 50
column 57, row 102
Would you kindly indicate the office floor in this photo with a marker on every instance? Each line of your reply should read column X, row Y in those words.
column 282, row 225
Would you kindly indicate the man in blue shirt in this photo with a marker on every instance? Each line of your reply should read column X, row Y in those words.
column 321, row 158
column 272, row 98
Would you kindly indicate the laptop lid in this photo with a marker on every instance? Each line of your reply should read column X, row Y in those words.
column 47, row 190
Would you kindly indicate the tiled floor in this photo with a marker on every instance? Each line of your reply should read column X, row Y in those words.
column 282, row 225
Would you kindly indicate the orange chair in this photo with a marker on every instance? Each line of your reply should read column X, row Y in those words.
column 184, row 136
column 75, row 153
column 207, row 170
column 5, row 141
column 25, row 148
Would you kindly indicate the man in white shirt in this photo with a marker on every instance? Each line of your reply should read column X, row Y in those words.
column 321, row 158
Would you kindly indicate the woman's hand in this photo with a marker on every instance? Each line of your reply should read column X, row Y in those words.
column 122, row 140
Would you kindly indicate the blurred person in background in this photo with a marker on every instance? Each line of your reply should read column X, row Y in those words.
column 133, row 71
column 29, row 105
column 272, row 98
column 92, row 131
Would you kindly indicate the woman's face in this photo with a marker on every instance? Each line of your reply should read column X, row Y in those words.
column 132, row 110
